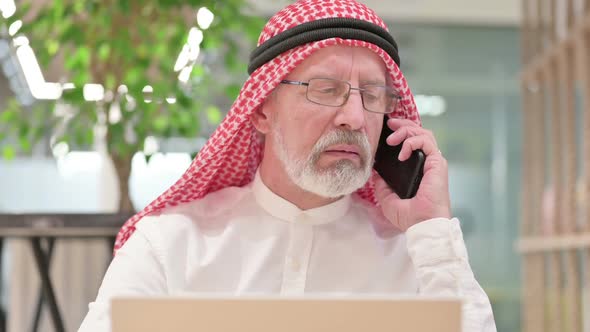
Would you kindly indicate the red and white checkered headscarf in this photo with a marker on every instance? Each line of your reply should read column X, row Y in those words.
column 232, row 154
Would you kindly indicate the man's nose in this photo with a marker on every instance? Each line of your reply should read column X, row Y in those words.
column 352, row 114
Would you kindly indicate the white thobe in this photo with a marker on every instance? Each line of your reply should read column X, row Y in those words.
column 249, row 240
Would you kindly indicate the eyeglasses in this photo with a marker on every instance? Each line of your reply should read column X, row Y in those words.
column 331, row 92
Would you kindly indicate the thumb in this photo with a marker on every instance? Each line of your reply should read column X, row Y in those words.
column 395, row 209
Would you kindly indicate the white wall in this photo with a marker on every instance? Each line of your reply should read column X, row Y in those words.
column 477, row 12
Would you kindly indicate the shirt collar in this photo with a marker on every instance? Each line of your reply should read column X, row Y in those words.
column 281, row 208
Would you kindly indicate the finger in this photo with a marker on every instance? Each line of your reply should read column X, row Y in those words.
column 395, row 123
column 421, row 142
column 381, row 187
column 398, row 136
column 436, row 161
column 414, row 129
column 404, row 132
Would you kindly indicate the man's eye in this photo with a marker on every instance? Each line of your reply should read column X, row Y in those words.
column 328, row 90
column 374, row 96
column 371, row 97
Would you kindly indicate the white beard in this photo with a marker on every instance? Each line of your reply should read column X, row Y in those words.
column 340, row 178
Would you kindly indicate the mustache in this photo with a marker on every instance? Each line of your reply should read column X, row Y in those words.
column 341, row 136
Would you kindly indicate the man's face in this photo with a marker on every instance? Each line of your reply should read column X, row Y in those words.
column 327, row 150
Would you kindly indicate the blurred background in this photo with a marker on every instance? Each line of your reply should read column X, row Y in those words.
column 95, row 95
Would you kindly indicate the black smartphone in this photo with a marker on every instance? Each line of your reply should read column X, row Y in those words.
column 403, row 177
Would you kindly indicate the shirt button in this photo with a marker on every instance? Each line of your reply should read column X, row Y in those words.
column 303, row 218
column 295, row 265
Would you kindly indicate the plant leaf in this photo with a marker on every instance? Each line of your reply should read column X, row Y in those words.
column 214, row 115
column 8, row 152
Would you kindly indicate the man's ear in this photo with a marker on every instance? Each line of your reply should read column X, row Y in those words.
column 262, row 117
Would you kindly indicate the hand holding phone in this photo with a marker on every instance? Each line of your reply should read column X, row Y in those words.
column 403, row 177
column 412, row 177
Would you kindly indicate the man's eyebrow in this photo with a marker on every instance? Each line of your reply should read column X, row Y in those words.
column 373, row 82
column 322, row 74
column 326, row 73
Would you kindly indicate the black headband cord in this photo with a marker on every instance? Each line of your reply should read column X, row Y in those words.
column 345, row 28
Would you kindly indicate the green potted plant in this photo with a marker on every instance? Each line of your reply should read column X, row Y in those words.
column 134, row 69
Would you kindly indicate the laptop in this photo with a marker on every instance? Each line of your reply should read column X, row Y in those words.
column 285, row 314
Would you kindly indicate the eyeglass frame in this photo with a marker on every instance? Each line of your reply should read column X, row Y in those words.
column 350, row 87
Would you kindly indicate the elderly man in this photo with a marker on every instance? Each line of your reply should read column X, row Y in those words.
column 283, row 199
